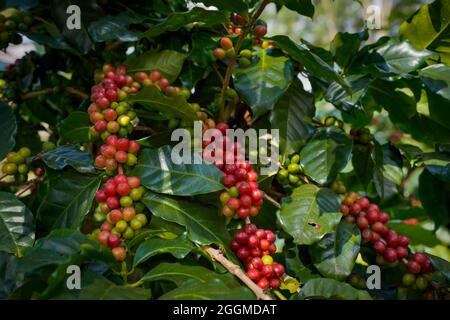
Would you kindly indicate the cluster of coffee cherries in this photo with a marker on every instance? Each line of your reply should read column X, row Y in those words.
column 119, row 212
column 155, row 78
column 15, row 164
column 362, row 139
column 333, row 122
column 338, row 186
column 243, row 197
column 107, row 112
column 117, row 151
column 290, row 171
column 389, row 246
column 254, row 247
column 18, row 21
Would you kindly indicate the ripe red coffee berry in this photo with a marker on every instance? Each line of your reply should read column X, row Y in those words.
column 363, row 202
column 121, row 156
column 100, row 126
column 234, row 245
column 250, row 228
column 260, row 31
column 380, row 247
column 402, row 252
column 366, row 235
column 372, row 216
column 278, row 269
column 384, row 217
column 254, row 275
column 101, row 196
column 133, row 182
column 243, row 212
column 256, row 263
column 122, row 144
column 420, row 258
column 110, row 189
column 245, row 201
column 362, row 223
column 390, row 255
column 275, row 283
column 267, row 271
column 113, row 240
column 403, row 241
column 264, row 244
column 243, row 253
column 413, row 267
column 355, row 209
column 241, row 237
column 133, row 146
column 226, row 43
column 270, row 236
column 112, row 140
column 123, row 189
column 263, row 283
column 234, row 203
column 229, row 181
column 112, row 203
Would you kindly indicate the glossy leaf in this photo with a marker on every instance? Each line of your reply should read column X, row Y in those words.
column 335, row 254
column 178, row 20
column 202, row 222
column 433, row 199
column 325, row 155
column 215, row 289
column 292, row 115
column 168, row 62
column 151, row 98
column 8, row 131
column 437, row 78
column 309, row 60
column 16, row 224
column 301, row 216
column 346, row 45
column 262, row 84
column 68, row 155
column 158, row 172
column 429, row 28
column 116, row 27
column 68, row 199
column 324, row 288
column 179, row 248
column 440, row 265
column 303, row 7
column 75, row 128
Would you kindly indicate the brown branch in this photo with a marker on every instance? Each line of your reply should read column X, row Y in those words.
column 237, row 271
column 76, row 92
column 271, row 200
column 4, row 176
column 36, row 93
column 145, row 129
column 218, row 74
column 232, row 60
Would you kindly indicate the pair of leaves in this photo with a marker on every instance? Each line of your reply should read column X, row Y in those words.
column 262, row 84
column 16, row 224
column 309, row 213
column 159, row 172
column 325, row 155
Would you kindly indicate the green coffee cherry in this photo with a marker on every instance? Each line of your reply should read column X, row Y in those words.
column 246, row 53
column 23, row 168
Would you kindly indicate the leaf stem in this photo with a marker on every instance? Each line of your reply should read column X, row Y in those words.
column 271, row 200
column 237, row 271
column 231, row 62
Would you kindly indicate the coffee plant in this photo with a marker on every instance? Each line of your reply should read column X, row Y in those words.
column 354, row 204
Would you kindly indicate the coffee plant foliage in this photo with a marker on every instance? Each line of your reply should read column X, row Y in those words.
column 87, row 175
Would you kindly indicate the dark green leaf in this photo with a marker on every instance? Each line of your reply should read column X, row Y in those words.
column 309, row 60
column 168, row 62
column 301, row 217
column 203, row 224
column 324, row 288
column 429, row 28
column 75, row 128
column 159, row 172
column 179, row 248
column 326, row 154
column 16, row 224
column 437, row 78
column 178, row 20
column 346, row 45
column 116, row 27
column 68, row 199
column 68, row 155
column 262, row 84
column 290, row 115
column 8, row 129
column 151, row 98
column 335, row 254
column 433, row 199
column 303, row 7
column 215, row 289
column 440, row 265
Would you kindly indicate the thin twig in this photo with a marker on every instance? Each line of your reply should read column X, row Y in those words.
column 36, row 93
column 237, row 271
column 30, row 185
column 76, row 92
column 232, row 60
column 146, row 129
column 272, row 200
column 4, row 176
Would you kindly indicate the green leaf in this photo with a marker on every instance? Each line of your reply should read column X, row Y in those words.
column 437, row 78
column 335, row 254
column 75, row 128
column 116, row 27
column 203, row 43
column 313, row 63
column 325, row 155
column 433, row 199
column 8, row 131
column 16, row 224
column 179, row 273
column 168, row 62
column 179, row 248
column 397, row 57
column 440, row 265
column 68, row 155
column 151, row 98
column 68, row 200
column 262, row 84
column 303, row 7
column 9, row 279
column 96, row 287
column 215, row 289
column 177, row 20
column 203, row 224
column 299, row 266
column 429, row 28
column 238, row 6
column 345, row 46
column 301, row 217
column 158, row 172
column 292, row 115
column 324, row 288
